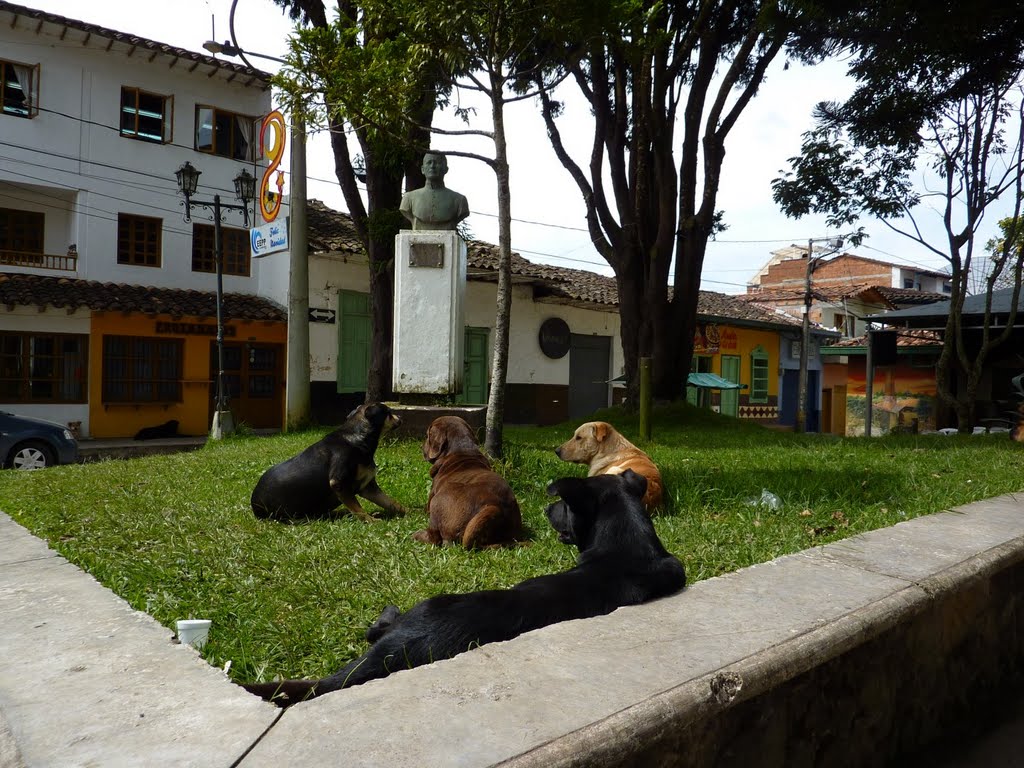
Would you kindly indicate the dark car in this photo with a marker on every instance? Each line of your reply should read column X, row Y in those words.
column 27, row 443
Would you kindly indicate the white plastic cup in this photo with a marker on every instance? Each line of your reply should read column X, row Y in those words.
column 194, row 632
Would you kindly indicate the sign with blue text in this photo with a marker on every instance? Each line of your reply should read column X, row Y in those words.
column 268, row 239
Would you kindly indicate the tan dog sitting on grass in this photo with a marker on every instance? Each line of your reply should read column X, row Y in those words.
column 607, row 452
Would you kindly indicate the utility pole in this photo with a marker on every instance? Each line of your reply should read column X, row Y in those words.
column 297, row 397
column 805, row 336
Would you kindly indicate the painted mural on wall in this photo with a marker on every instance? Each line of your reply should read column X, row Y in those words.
column 903, row 400
column 711, row 338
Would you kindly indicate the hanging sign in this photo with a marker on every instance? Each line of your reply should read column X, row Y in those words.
column 272, row 148
column 268, row 239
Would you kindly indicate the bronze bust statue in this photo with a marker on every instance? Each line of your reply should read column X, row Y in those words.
column 434, row 206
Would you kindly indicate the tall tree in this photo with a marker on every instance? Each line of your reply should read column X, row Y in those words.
column 354, row 38
column 666, row 75
column 938, row 93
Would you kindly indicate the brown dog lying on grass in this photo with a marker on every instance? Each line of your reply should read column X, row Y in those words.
column 470, row 503
column 607, row 452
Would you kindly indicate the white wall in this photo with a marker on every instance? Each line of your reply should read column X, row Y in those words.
column 527, row 364
column 83, row 172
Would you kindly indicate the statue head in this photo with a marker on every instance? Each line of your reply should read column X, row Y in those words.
column 435, row 166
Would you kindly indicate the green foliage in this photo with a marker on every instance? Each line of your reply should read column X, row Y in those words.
column 294, row 600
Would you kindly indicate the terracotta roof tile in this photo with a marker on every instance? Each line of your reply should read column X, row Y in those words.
column 72, row 293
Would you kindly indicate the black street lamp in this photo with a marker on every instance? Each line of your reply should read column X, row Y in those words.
column 245, row 190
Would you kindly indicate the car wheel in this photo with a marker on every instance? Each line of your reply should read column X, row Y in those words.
column 31, row 455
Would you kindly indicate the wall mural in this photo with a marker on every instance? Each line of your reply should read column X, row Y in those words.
column 903, row 400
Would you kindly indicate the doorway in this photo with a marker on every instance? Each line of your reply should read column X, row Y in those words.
column 729, row 403
column 253, row 382
column 590, row 361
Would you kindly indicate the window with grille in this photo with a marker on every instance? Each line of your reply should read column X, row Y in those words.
column 142, row 369
column 18, row 89
column 138, row 240
column 234, row 242
column 145, row 116
column 43, row 367
column 224, row 133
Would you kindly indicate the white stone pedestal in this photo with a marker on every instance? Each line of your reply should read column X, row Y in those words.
column 429, row 335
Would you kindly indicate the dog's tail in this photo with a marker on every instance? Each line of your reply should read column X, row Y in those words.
column 284, row 693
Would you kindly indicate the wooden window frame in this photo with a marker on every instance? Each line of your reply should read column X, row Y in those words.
column 236, row 246
column 21, row 371
column 166, row 116
column 129, row 250
column 22, row 232
column 216, row 136
column 146, row 369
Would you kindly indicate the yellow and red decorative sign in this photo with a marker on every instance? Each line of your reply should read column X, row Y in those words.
column 273, row 150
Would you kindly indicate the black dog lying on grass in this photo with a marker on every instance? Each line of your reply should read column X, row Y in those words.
column 331, row 471
column 621, row 562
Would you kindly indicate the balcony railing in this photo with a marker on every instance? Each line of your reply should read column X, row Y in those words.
column 65, row 263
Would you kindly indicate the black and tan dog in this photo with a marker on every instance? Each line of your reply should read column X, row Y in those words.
column 334, row 470
column 470, row 503
column 621, row 562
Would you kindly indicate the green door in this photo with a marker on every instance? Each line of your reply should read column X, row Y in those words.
column 474, row 380
column 730, row 398
column 353, row 341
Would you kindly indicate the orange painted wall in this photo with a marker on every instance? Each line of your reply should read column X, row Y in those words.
column 125, row 419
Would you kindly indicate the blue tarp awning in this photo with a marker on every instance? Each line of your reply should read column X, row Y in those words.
column 711, row 381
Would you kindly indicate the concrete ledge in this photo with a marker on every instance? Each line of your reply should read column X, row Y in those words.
column 859, row 652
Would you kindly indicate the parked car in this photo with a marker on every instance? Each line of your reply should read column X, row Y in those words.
column 27, row 443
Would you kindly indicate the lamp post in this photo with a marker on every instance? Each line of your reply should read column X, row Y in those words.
column 805, row 337
column 297, row 380
column 245, row 190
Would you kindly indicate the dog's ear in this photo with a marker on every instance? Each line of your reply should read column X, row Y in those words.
column 601, row 431
column 435, row 444
column 636, row 484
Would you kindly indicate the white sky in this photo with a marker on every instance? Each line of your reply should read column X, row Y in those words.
column 547, row 209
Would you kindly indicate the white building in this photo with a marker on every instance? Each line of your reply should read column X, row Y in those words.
column 107, row 296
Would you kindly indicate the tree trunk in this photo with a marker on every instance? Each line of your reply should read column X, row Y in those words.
column 499, row 365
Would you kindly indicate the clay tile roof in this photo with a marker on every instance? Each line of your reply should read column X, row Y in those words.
column 898, row 296
column 71, row 293
column 331, row 231
column 131, row 40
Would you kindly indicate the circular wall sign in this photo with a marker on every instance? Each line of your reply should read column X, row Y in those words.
column 554, row 337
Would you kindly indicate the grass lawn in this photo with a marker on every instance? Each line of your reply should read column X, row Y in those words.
column 174, row 535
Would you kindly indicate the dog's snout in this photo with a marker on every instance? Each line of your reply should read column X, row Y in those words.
column 558, row 451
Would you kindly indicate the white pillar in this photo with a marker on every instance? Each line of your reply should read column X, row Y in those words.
column 429, row 335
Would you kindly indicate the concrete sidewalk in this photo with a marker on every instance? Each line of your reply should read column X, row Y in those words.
column 86, row 680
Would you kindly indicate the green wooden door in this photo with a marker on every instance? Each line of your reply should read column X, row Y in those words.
column 730, row 398
column 353, row 341
column 474, row 380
